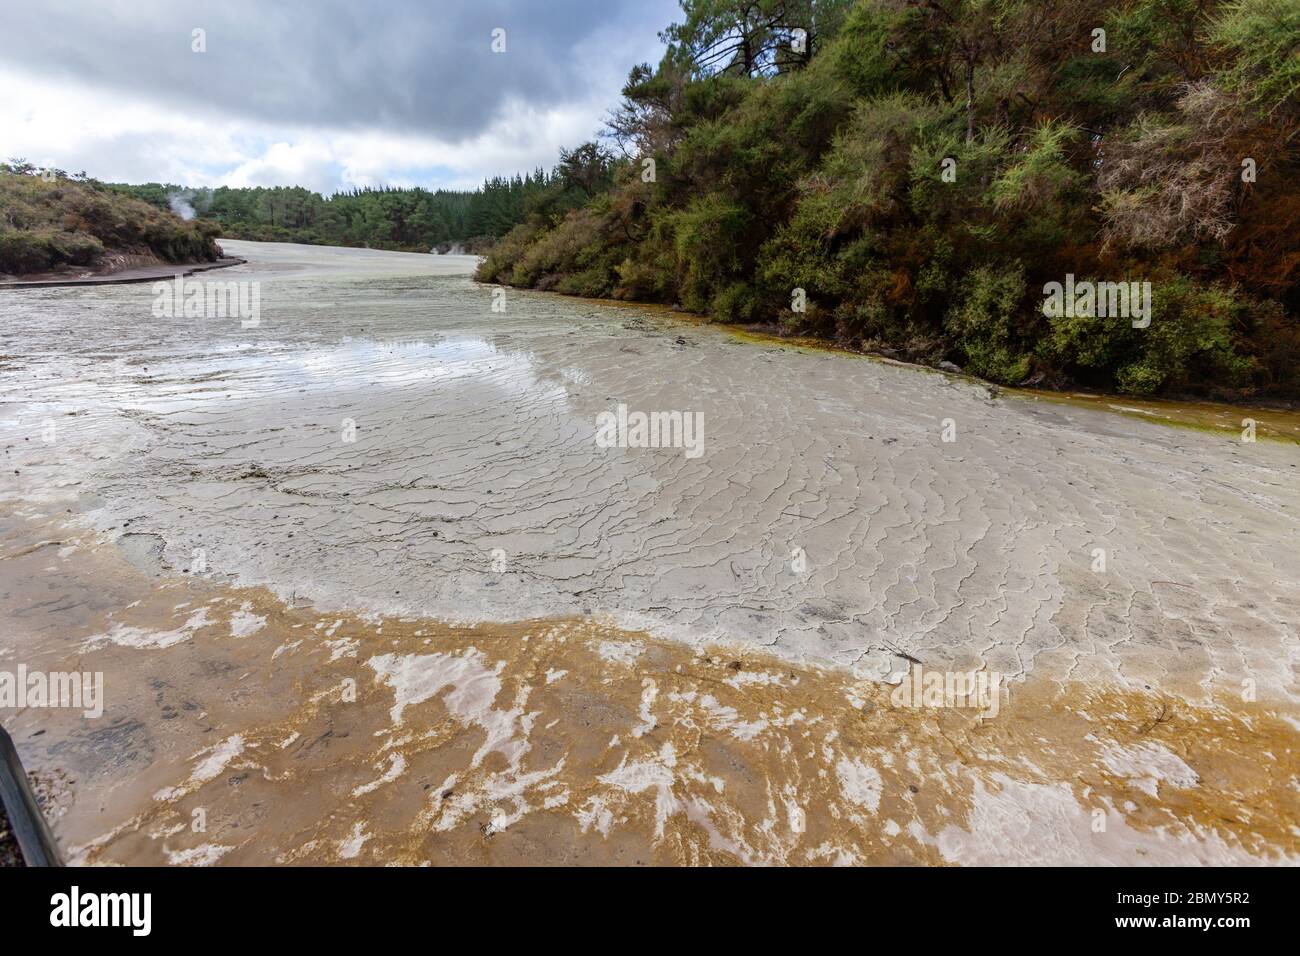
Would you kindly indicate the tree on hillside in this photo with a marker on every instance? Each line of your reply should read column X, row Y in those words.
column 586, row 168
column 750, row 37
column 643, row 123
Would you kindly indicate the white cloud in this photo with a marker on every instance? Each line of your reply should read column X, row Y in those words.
column 118, row 139
column 126, row 131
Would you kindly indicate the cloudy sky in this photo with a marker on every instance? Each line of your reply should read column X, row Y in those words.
column 326, row 94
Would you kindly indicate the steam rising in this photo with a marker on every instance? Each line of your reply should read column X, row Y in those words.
column 180, row 204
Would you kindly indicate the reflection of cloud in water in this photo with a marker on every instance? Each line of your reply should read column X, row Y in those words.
column 362, row 362
column 257, row 372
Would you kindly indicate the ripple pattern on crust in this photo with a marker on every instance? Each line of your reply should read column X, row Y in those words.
column 475, row 432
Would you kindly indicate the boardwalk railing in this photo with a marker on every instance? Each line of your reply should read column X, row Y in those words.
column 25, row 818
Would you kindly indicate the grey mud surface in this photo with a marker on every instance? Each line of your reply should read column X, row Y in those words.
column 384, row 444
column 475, row 431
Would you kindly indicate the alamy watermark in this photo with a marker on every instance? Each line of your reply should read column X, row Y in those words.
column 24, row 688
column 209, row 300
column 624, row 429
column 130, row 910
column 978, row 690
column 1098, row 300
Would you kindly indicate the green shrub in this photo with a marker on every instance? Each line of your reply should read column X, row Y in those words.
column 1188, row 345
column 986, row 323
column 707, row 236
column 737, row 303
column 1263, row 39
column 76, row 248
column 25, row 252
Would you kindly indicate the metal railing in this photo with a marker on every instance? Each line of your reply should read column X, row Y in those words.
column 25, row 818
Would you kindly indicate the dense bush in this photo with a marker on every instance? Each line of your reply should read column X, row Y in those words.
column 826, row 173
column 62, row 221
column 987, row 325
column 1193, row 341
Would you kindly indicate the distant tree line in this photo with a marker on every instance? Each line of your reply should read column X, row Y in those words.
column 413, row 219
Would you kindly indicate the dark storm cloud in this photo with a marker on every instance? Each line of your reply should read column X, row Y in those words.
column 392, row 64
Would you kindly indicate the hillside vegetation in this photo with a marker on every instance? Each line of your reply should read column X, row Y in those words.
column 922, row 168
column 53, row 221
